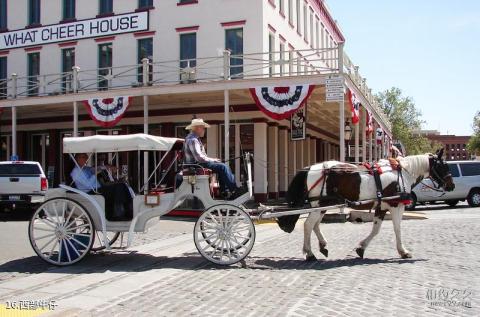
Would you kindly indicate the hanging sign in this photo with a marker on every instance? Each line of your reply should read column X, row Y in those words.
column 354, row 106
column 335, row 88
column 72, row 31
column 298, row 124
column 379, row 137
column 109, row 111
column 281, row 102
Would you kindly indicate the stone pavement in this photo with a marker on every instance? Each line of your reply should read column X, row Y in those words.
column 164, row 276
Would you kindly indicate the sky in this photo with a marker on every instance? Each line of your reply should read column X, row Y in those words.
column 430, row 49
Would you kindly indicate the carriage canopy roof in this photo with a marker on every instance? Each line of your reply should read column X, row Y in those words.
column 119, row 143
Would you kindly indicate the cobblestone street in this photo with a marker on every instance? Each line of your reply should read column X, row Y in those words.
column 163, row 274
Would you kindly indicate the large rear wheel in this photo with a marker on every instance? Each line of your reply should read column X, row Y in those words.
column 474, row 198
column 61, row 231
column 224, row 234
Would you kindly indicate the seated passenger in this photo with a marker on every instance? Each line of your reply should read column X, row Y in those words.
column 118, row 198
column 194, row 153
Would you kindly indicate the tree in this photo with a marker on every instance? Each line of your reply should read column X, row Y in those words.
column 406, row 120
column 473, row 145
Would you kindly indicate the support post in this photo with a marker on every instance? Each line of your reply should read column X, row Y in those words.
column 341, row 106
column 363, row 122
column 145, row 71
column 226, row 96
column 14, row 116
column 75, row 70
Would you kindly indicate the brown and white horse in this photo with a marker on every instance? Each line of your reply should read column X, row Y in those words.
column 334, row 182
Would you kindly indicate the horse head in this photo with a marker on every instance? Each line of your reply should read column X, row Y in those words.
column 440, row 172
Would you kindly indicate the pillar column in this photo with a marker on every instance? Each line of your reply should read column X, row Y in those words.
column 306, row 151
column 356, row 127
column 363, row 122
column 370, row 147
column 299, row 150
column 212, row 141
column 313, row 150
column 292, row 158
column 272, row 160
column 283, row 161
column 260, row 161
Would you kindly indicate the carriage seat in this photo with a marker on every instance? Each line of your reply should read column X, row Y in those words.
column 197, row 171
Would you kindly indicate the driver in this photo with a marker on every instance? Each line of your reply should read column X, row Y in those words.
column 194, row 152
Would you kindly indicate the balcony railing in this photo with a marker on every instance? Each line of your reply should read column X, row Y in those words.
column 200, row 70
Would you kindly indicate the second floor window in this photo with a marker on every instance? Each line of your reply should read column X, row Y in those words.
column 33, row 65
column 33, row 12
column 106, row 6
column 145, row 50
column 145, row 4
column 3, row 14
column 234, row 43
column 104, row 64
column 68, row 61
column 68, row 9
column 188, row 50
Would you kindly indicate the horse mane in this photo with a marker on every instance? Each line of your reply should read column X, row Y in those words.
column 416, row 165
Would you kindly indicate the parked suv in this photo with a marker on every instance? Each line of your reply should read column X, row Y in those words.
column 466, row 176
column 22, row 184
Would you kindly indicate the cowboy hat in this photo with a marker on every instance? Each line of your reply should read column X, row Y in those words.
column 197, row 123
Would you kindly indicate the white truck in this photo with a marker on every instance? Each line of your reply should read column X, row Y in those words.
column 22, row 184
column 466, row 176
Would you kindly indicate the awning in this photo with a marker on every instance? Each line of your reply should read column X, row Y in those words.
column 119, row 143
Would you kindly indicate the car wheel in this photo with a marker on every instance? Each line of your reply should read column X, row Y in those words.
column 412, row 204
column 452, row 202
column 474, row 198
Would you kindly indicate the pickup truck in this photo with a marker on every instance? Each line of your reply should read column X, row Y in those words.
column 22, row 184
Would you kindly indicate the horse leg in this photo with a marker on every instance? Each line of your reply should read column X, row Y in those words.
column 377, row 223
column 321, row 239
column 397, row 215
column 307, row 231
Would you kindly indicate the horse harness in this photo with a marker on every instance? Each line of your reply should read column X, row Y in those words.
column 373, row 169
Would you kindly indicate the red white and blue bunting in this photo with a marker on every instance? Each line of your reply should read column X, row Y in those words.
column 369, row 123
column 281, row 102
column 380, row 135
column 109, row 111
column 355, row 107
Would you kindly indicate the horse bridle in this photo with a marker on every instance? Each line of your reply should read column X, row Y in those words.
column 437, row 180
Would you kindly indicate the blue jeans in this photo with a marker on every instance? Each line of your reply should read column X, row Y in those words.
column 225, row 175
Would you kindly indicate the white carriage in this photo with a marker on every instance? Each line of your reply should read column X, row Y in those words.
column 63, row 230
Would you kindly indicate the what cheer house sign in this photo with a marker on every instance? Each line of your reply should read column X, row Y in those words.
column 64, row 32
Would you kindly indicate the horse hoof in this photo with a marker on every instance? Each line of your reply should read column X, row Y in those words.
column 360, row 252
column 406, row 255
column 324, row 252
column 311, row 258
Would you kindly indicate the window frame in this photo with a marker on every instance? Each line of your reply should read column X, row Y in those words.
column 238, row 63
column 100, row 7
column 73, row 8
column 102, row 70
column 34, row 19
column 68, row 77
column 3, row 77
column 32, row 72
column 139, row 60
column 3, row 11
column 145, row 6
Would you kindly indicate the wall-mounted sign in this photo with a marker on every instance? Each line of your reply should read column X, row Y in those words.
column 335, row 88
column 298, row 124
column 117, row 24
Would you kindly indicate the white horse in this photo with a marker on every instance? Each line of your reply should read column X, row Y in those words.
column 332, row 182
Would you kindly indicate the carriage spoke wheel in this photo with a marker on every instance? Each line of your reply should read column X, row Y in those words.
column 61, row 232
column 224, row 234
column 99, row 245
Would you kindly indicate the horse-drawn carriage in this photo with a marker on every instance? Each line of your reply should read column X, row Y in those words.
column 64, row 228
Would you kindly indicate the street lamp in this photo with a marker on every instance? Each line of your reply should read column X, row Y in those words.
column 348, row 137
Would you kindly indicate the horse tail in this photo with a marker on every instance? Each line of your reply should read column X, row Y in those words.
column 295, row 198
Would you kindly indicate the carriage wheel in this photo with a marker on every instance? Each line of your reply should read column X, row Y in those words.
column 224, row 234
column 112, row 237
column 61, row 231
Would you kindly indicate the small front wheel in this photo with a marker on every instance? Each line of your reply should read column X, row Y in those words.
column 224, row 234
column 61, row 231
